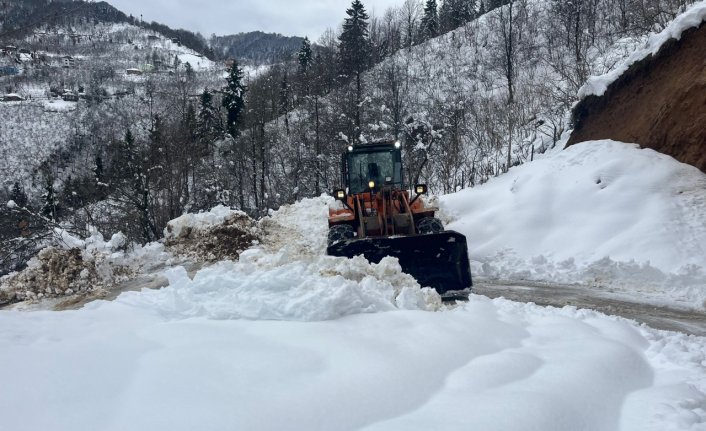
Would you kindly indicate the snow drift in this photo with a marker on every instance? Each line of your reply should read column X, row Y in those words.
column 280, row 286
column 603, row 213
column 491, row 365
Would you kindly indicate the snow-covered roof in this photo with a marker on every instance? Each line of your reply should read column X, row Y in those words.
column 691, row 18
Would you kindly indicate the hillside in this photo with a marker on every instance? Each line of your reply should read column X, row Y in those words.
column 94, row 68
column 22, row 19
column 255, row 47
column 656, row 100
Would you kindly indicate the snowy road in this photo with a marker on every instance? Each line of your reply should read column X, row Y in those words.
column 557, row 295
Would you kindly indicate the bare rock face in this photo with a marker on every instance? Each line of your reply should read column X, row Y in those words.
column 659, row 103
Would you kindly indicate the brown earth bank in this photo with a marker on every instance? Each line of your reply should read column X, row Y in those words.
column 659, row 103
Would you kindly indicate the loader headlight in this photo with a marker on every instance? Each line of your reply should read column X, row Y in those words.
column 398, row 144
column 350, row 148
column 340, row 195
column 420, row 189
column 371, row 184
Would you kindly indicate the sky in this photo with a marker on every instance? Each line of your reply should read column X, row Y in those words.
column 289, row 17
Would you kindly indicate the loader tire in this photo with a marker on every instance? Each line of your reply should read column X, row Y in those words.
column 429, row 225
column 341, row 232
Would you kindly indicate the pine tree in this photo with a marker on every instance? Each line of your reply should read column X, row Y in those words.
column 455, row 13
column 207, row 126
column 305, row 64
column 98, row 171
column 49, row 208
column 354, row 46
column 234, row 98
column 430, row 21
column 18, row 195
column 354, row 52
column 305, row 56
column 189, row 71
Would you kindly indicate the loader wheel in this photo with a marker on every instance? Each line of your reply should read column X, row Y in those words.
column 429, row 225
column 340, row 232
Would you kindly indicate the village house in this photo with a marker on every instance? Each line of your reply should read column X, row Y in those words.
column 68, row 61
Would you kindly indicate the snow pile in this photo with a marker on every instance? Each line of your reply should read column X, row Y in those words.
column 602, row 213
column 88, row 266
column 219, row 234
column 280, row 286
column 692, row 18
column 184, row 225
column 59, row 106
column 489, row 365
column 301, row 227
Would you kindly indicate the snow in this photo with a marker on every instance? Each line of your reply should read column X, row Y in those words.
column 603, row 213
column 137, row 364
column 201, row 221
column 59, row 106
column 265, row 286
column 11, row 204
column 691, row 18
column 301, row 228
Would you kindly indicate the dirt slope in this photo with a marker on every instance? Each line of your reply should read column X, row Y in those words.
column 659, row 103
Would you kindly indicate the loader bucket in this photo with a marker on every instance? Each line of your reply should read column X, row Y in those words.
column 438, row 260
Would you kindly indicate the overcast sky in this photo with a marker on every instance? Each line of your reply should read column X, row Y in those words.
column 289, row 17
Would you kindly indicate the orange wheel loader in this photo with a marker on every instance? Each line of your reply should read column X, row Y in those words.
column 377, row 217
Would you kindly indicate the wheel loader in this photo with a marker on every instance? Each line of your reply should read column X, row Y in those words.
column 377, row 216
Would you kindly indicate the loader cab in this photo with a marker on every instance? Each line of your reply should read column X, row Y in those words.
column 379, row 163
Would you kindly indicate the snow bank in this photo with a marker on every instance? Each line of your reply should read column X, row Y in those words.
column 301, row 227
column 59, row 106
column 80, row 266
column 182, row 226
column 488, row 365
column 693, row 17
column 603, row 213
column 281, row 286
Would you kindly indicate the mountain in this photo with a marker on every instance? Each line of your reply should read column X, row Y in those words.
column 255, row 47
column 22, row 19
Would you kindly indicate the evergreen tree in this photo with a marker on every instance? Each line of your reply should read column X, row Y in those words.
column 234, row 98
column 285, row 100
column 354, row 52
column 354, row 46
column 284, row 95
column 18, row 195
column 207, row 124
column 430, row 21
column 99, row 171
column 455, row 13
column 189, row 71
column 305, row 56
column 49, row 207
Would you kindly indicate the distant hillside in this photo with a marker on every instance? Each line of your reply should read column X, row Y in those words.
column 19, row 19
column 255, row 47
